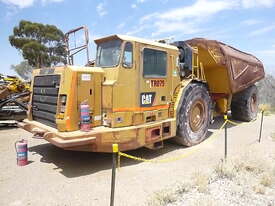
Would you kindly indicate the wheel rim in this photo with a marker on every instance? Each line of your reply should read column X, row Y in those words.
column 196, row 117
column 253, row 103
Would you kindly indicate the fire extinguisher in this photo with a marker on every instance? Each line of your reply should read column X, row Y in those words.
column 21, row 148
column 85, row 124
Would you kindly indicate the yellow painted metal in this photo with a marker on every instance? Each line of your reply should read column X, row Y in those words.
column 215, row 75
column 184, row 83
column 114, row 96
column 222, row 105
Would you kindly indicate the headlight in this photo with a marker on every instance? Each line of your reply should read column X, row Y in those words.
column 63, row 99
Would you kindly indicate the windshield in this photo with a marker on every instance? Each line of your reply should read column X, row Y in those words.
column 108, row 53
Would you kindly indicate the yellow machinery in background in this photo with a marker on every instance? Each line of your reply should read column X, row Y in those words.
column 14, row 96
column 141, row 92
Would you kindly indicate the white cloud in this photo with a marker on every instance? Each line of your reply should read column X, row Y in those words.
column 19, row 3
column 262, row 30
column 257, row 3
column 49, row 1
column 101, row 10
column 27, row 3
column 200, row 9
column 121, row 25
column 184, row 27
column 267, row 55
column 250, row 22
column 268, row 52
column 192, row 18
column 137, row 29
column 186, row 19
column 135, row 5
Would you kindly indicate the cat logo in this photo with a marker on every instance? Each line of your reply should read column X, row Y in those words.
column 147, row 99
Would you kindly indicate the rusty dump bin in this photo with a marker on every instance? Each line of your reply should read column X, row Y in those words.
column 228, row 70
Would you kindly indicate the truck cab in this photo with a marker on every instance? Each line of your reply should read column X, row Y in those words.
column 130, row 86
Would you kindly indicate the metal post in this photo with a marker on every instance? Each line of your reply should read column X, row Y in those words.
column 261, row 128
column 225, row 138
column 115, row 153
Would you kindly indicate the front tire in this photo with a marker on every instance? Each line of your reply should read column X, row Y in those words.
column 193, row 116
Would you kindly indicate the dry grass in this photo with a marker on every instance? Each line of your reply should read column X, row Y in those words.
column 273, row 136
column 259, row 189
column 256, row 174
column 250, row 163
column 225, row 170
column 204, row 201
column 183, row 188
column 268, row 110
column 162, row 198
column 267, row 179
column 201, row 181
column 167, row 196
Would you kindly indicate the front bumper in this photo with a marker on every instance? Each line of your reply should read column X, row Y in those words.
column 60, row 139
column 99, row 139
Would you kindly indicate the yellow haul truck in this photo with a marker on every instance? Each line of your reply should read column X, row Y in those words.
column 142, row 92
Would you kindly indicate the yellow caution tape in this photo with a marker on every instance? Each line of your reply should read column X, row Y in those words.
column 234, row 123
column 192, row 150
column 171, row 159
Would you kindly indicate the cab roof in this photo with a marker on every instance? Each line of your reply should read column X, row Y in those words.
column 136, row 39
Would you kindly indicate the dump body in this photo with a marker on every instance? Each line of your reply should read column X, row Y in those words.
column 236, row 70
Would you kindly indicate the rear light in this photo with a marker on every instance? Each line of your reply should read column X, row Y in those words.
column 63, row 99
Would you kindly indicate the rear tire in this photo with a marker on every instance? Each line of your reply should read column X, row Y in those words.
column 193, row 115
column 244, row 105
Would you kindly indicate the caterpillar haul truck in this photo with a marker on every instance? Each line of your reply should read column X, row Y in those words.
column 142, row 92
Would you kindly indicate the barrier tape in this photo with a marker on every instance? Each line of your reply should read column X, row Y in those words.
column 175, row 158
column 234, row 123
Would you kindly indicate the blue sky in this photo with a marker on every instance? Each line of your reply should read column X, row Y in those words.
column 248, row 25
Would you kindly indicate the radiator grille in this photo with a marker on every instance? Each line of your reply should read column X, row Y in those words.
column 44, row 99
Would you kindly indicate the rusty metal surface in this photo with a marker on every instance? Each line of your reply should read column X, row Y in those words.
column 243, row 69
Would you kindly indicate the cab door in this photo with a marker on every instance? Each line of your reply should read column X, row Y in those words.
column 154, row 88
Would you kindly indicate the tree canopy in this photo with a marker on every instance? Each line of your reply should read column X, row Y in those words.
column 24, row 70
column 42, row 45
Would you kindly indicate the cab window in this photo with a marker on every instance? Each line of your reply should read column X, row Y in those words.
column 108, row 53
column 154, row 63
column 128, row 55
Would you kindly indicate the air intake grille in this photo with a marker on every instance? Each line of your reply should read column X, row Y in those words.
column 44, row 99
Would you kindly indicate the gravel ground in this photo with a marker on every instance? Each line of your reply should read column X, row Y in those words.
column 252, row 184
column 59, row 177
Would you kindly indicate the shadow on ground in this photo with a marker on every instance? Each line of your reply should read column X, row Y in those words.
column 75, row 164
column 8, row 126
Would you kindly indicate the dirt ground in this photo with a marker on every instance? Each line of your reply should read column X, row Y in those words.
column 58, row 177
